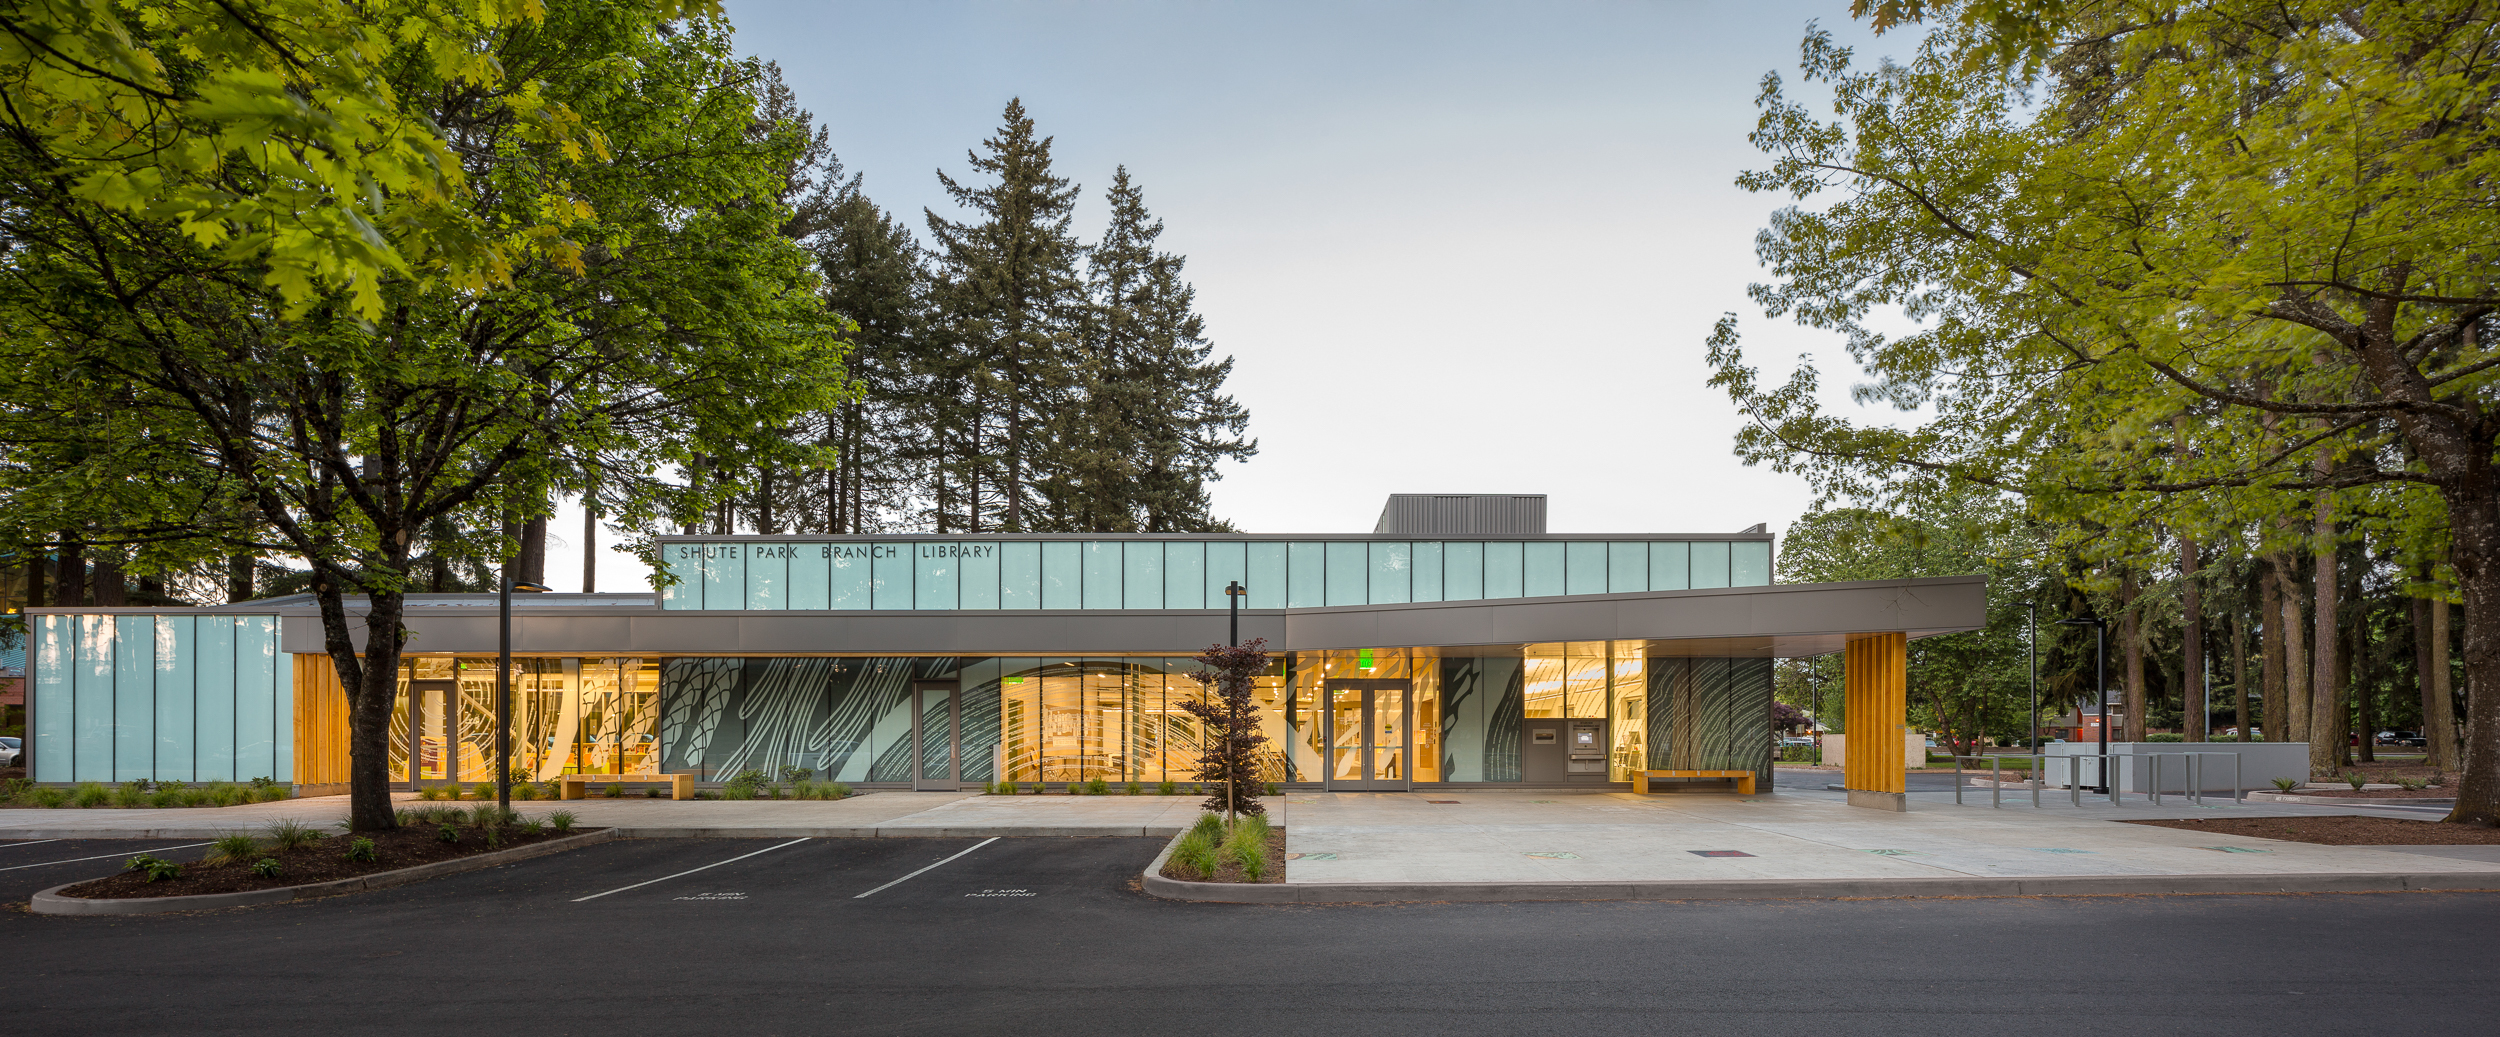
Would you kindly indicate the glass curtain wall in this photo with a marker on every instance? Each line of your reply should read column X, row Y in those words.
column 570, row 715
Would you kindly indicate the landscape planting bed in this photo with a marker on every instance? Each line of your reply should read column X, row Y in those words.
column 323, row 860
column 2340, row 831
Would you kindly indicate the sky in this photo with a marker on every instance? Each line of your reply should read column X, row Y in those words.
column 1452, row 247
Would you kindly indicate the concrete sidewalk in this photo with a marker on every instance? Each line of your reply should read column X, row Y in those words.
column 874, row 815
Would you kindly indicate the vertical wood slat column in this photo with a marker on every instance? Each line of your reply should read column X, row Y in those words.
column 1876, row 692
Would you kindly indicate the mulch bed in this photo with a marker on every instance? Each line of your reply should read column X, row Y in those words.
column 2347, row 793
column 1228, row 870
column 321, row 861
column 2341, row 831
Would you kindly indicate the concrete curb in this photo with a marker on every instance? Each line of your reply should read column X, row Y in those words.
column 1810, row 889
column 2255, row 796
column 50, row 902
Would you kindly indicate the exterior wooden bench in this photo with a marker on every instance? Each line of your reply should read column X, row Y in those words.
column 577, row 786
column 1744, row 779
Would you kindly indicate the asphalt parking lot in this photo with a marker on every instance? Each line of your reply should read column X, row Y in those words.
column 1047, row 936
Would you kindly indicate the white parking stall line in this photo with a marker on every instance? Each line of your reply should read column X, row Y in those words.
column 28, row 842
column 907, row 878
column 98, row 857
column 690, row 871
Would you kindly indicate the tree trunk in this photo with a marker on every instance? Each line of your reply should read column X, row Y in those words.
column 239, row 578
column 2326, row 741
column 531, row 566
column 2295, row 656
column 2269, row 655
column 34, row 576
column 371, row 682
column 590, row 541
column 2239, row 674
column 2418, row 620
column 2195, row 713
column 111, row 590
column 69, row 574
column 2131, row 642
column 2360, row 685
column 2439, row 727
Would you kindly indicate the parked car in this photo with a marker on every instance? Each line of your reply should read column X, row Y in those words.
column 1796, row 740
column 2412, row 738
column 9, row 748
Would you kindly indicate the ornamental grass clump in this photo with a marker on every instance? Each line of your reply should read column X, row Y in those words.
column 130, row 794
column 1247, row 846
column 48, row 798
column 91, row 794
column 233, row 846
column 289, row 834
column 562, row 821
column 2286, row 784
column 1195, row 855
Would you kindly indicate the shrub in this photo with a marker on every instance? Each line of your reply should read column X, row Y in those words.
column 1195, row 855
column 2286, row 784
column 1209, row 825
column 837, row 790
column 737, row 790
column 154, row 867
column 525, row 790
column 1167, row 788
column 616, row 790
column 651, row 793
column 1272, row 788
column 1248, row 846
column 233, row 846
column 16, row 790
column 2355, row 779
column 482, row 790
column 2412, row 784
column 289, row 834
column 165, row 798
column 449, row 833
column 195, row 797
column 401, row 816
column 49, row 798
column 1134, row 789
column 428, row 793
column 533, row 826
column 2165, row 736
column 130, row 794
column 562, row 821
column 1097, row 787
column 222, row 794
column 262, row 782
column 795, row 775
column 489, row 815
column 268, row 868
column 361, row 849
column 269, row 793
column 91, row 794
column 494, row 836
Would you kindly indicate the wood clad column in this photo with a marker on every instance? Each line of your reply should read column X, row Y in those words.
column 1876, row 693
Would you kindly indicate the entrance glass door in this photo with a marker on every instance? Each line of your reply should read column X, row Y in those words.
column 1370, row 746
column 934, row 767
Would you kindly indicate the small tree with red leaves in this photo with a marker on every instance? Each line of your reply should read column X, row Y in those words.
column 1228, row 754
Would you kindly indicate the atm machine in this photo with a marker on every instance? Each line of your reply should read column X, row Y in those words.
column 1586, row 742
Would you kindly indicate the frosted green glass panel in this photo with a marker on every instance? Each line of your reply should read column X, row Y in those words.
column 1627, row 567
column 54, row 657
column 1141, row 569
column 1102, row 574
column 1346, row 562
column 1428, row 571
column 847, row 581
column 282, row 708
column 768, row 576
column 1268, row 576
column 213, row 668
column 175, row 694
column 979, row 589
column 890, row 576
column 1503, row 561
column 1670, row 565
column 1584, row 567
column 93, row 714
column 1709, row 564
column 1228, row 562
column 724, row 576
column 255, row 698
column 134, row 698
column 1020, row 576
column 1462, row 571
column 1063, row 574
column 1749, row 564
column 685, row 563
column 1185, row 575
column 810, row 565
column 933, row 576
column 1307, row 583
column 1392, row 572
column 1544, row 569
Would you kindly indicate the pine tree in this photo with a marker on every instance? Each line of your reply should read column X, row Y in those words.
column 1011, row 296
column 874, row 276
column 1154, row 422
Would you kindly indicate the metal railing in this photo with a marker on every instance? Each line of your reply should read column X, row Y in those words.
column 2195, row 776
column 2039, row 776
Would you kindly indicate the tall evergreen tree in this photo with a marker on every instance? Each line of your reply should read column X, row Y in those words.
column 1011, row 296
column 875, row 276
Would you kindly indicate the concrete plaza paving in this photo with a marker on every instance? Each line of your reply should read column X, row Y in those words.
column 1485, row 844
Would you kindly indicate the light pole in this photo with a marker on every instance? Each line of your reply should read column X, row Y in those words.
column 503, row 683
column 1233, row 593
column 2100, row 686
